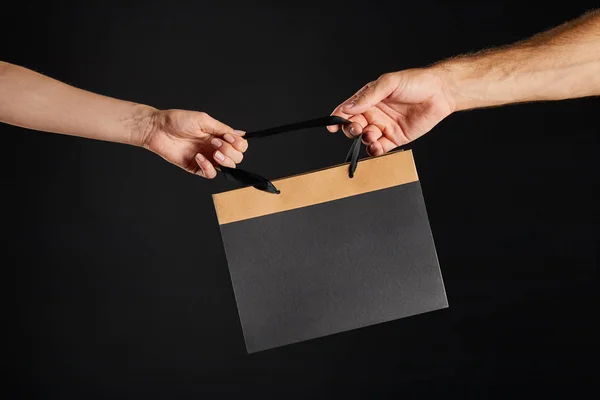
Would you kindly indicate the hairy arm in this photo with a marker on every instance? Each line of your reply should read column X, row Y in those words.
column 561, row 63
column 401, row 106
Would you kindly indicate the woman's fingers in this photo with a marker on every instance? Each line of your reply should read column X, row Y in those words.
column 225, row 153
column 207, row 169
column 237, row 141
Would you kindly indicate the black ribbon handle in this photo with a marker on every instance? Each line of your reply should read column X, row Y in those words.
column 261, row 183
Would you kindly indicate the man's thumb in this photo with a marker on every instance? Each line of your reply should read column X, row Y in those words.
column 371, row 94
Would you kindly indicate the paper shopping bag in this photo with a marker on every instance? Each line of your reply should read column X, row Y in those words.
column 330, row 253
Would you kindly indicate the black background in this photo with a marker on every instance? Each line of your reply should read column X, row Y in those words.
column 115, row 270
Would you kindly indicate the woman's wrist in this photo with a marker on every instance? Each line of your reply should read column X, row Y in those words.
column 141, row 123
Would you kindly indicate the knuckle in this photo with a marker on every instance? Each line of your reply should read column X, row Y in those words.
column 361, row 92
column 384, row 77
column 365, row 89
column 391, row 79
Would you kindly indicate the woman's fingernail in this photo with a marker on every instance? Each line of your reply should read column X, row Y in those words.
column 216, row 143
column 353, row 131
column 238, row 132
column 228, row 138
column 349, row 105
column 200, row 157
column 219, row 156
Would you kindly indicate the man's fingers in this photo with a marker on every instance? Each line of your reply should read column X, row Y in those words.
column 387, row 125
column 207, row 169
column 381, row 146
column 368, row 96
column 355, row 128
column 371, row 94
column 338, row 112
column 374, row 149
column 371, row 134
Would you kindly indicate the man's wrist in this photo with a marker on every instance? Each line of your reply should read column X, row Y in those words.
column 463, row 80
column 488, row 78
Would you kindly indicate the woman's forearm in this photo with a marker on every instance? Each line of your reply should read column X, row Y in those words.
column 35, row 101
column 558, row 64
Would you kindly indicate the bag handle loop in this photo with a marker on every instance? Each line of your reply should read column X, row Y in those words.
column 247, row 178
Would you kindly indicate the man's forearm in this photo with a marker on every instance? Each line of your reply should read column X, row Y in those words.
column 558, row 64
column 35, row 101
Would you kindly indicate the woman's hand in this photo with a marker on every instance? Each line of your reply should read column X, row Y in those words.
column 193, row 141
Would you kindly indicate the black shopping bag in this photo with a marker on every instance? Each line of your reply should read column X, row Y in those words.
column 330, row 253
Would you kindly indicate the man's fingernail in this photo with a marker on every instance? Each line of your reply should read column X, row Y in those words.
column 238, row 132
column 219, row 156
column 349, row 105
column 200, row 157
column 228, row 138
column 216, row 143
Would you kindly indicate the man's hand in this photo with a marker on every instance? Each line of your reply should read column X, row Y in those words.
column 193, row 141
column 396, row 109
